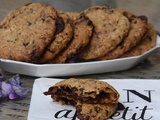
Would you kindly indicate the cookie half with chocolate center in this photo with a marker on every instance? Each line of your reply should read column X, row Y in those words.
column 74, row 90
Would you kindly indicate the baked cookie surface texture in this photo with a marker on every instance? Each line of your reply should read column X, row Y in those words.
column 95, row 111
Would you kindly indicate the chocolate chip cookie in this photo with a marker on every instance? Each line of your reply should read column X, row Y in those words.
column 92, row 91
column 83, row 29
column 148, row 42
column 139, row 27
column 95, row 111
column 26, row 31
column 60, row 40
column 111, row 26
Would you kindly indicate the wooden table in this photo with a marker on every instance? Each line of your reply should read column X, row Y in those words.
column 147, row 69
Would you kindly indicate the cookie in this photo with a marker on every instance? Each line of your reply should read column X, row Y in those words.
column 92, row 91
column 95, row 111
column 139, row 27
column 148, row 42
column 110, row 28
column 83, row 29
column 60, row 40
column 26, row 31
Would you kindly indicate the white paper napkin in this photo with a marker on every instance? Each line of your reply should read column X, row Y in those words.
column 140, row 98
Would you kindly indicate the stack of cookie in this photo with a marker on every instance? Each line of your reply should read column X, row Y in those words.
column 39, row 33
column 93, row 99
column 117, row 33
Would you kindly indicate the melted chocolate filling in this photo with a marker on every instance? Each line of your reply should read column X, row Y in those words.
column 66, row 94
column 59, row 25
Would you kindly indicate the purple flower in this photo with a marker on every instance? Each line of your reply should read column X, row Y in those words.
column 18, row 91
column 12, row 88
column 6, row 89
